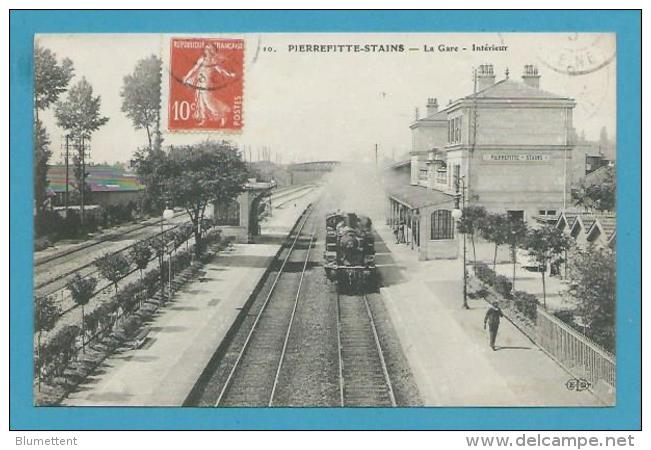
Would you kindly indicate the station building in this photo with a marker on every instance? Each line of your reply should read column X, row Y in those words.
column 239, row 218
column 507, row 147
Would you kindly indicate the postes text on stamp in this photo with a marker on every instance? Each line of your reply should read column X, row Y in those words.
column 206, row 84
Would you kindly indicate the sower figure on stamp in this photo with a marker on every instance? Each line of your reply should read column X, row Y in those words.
column 202, row 77
column 493, row 318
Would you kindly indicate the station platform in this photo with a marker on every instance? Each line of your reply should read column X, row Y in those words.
column 186, row 332
column 448, row 349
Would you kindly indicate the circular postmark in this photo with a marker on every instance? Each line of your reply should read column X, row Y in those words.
column 579, row 54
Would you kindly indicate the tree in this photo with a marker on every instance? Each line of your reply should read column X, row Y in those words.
column 515, row 233
column 141, row 254
column 46, row 314
column 113, row 267
column 158, row 244
column 197, row 175
column 543, row 245
column 148, row 163
column 79, row 173
column 50, row 81
column 603, row 194
column 50, row 78
column 581, row 196
column 80, row 116
column 141, row 97
column 42, row 154
column 471, row 222
column 600, row 195
column 494, row 229
column 592, row 272
column 82, row 290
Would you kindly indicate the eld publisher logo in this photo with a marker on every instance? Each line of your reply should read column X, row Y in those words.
column 577, row 384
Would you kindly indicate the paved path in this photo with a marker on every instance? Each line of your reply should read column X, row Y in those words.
column 448, row 349
column 187, row 332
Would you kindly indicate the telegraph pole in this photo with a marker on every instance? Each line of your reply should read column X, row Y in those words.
column 376, row 167
column 82, row 214
column 66, row 159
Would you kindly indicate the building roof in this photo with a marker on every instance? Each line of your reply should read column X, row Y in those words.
column 418, row 196
column 440, row 116
column 399, row 164
column 599, row 175
column 510, row 89
column 101, row 178
column 606, row 223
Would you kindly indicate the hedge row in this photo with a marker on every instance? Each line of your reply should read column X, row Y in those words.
column 525, row 303
column 501, row 283
column 54, row 356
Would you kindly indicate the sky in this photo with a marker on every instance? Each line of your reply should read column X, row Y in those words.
column 338, row 106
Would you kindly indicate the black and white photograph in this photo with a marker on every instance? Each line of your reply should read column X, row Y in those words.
column 325, row 220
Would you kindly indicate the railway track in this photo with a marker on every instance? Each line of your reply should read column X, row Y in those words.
column 254, row 376
column 108, row 238
column 363, row 375
column 56, row 283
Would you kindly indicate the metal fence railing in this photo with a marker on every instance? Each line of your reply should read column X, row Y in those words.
column 578, row 354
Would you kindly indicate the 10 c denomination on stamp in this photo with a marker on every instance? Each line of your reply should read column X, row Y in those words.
column 206, row 84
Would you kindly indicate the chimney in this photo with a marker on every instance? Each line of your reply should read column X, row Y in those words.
column 485, row 76
column 432, row 107
column 530, row 76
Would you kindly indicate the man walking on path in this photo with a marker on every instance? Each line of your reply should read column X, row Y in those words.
column 493, row 318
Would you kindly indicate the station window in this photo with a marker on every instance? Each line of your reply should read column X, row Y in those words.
column 516, row 215
column 442, row 225
column 454, row 129
column 227, row 214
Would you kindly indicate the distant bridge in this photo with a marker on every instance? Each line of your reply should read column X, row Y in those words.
column 313, row 166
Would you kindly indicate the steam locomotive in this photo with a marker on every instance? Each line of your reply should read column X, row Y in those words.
column 350, row 252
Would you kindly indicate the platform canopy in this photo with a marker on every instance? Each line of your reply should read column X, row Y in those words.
column 414, row 197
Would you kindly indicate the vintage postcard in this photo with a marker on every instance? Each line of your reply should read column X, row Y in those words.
column 325, row 219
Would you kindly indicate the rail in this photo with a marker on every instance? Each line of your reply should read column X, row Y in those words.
column 229, row 378
column 364, row 388
column 92, row 263
column 106, row 238
column 291, row 320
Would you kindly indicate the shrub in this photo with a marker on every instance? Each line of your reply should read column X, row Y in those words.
column 59, row 350
column 503, row 286
column 567, row 317
column 479, row 293
column 485, row 273
column 526, row 303
column 41, row 244
column 127, row 298
column 130, row 325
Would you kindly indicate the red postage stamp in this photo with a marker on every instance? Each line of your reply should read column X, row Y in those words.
column 206, row 84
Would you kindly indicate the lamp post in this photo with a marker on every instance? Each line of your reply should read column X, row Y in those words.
column 457, row 213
